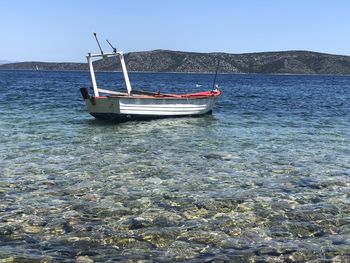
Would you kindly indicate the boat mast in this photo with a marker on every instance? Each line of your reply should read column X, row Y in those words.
column 216, row 73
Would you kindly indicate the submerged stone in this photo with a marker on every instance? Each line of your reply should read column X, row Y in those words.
column 140, row 222
column 204, row 237
column 180, row 250
column 32, row 229
column 6, row 230
column 235, row 243
column 160, row 237
column 26, row 259
column 167, row 219
column 83, row 259
column 304, row 229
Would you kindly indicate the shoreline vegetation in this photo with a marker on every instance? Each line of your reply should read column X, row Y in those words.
column 158, row 61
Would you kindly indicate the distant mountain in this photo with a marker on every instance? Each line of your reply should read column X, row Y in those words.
column 36, row 65
column 5, row 62
column 283, row 62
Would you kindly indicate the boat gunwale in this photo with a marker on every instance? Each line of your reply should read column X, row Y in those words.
column 192, row 96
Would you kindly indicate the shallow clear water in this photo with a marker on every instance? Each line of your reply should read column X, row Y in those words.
column 265, row 178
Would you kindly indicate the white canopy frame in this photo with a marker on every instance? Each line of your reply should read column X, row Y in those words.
column 119, row 55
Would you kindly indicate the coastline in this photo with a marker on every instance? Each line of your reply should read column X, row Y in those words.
column 166, row 61
column 175, row 72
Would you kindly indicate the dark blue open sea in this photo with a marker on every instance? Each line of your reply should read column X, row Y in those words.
column 266, row 178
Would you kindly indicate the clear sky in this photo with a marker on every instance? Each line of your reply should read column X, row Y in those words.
column 61, row 30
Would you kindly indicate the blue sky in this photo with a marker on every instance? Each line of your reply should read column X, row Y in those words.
column 61, row 30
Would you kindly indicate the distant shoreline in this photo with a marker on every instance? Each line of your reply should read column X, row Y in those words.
column 167, row 61
column 204, row 73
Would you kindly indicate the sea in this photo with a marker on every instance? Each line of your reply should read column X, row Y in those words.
column 265, row 178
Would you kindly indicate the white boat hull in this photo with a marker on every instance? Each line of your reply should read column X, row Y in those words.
column 136, row 108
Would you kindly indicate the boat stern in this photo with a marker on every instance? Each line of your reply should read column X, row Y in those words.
column 100, row 105
column 85, row 93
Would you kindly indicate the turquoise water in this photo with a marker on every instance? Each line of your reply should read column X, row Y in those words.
column 265, row 178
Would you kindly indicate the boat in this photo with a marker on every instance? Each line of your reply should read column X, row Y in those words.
column 138, row 105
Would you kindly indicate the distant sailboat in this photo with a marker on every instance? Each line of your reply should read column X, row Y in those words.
column 36, row 68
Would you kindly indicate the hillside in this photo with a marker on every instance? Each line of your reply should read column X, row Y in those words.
column 289, row 62
column 33, row 65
